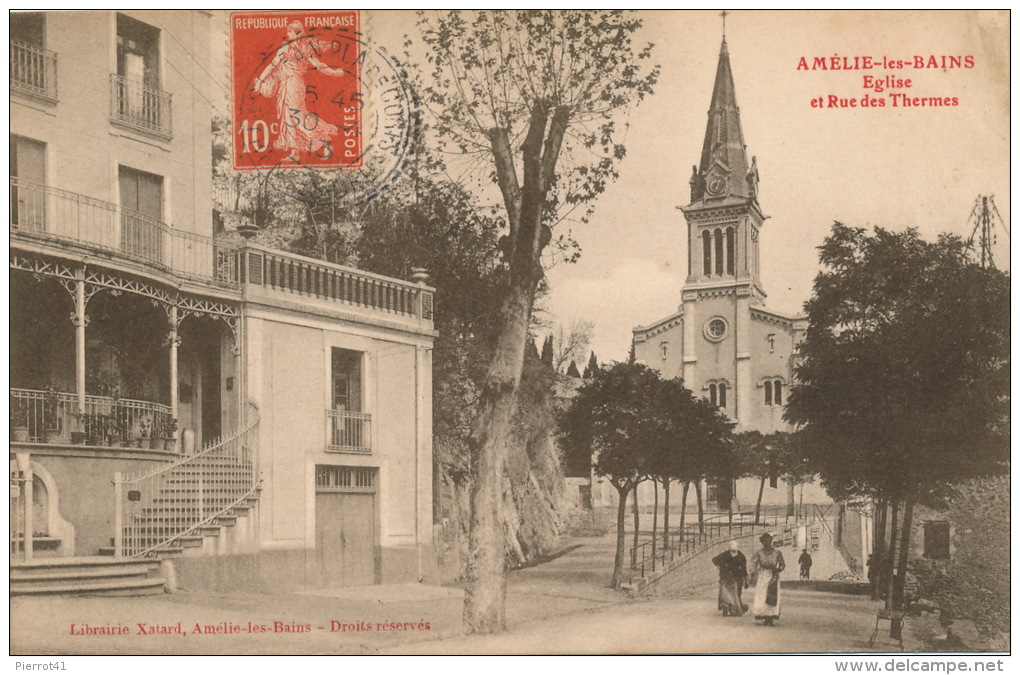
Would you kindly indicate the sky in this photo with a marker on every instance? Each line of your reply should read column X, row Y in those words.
column 888, row 166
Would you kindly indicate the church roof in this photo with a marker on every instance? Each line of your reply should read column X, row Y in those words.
column 724, row 169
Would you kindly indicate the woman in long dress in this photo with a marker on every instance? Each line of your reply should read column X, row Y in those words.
column 732, row 580
column 284, row 78
column 766, row 565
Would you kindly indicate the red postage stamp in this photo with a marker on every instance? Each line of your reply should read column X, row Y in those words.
column 296, row 89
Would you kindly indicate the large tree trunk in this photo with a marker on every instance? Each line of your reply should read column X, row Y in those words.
column 621, row 537
column 485, row 594
column 683, row 508
column 887, row 562
column 757, row 505
column 665, row 516
column 655, row 515
column 637, row 517
column 878, row 548
column 701, row 507
column 899, row 587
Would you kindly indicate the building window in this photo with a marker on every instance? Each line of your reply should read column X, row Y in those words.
column 28, row 178
column 731, row 258
column 773, row 391
column 773, row 479
column 717, row 393
column 138, row 101
column 33, row 68
column 349, row 428
column 664, row 347
column 936, row 540
column 718, row 252
column 141, row 200
column 706, row 240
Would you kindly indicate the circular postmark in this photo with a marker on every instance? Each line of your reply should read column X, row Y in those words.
column 310, row 93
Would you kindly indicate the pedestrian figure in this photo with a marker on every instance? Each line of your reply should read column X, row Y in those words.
column 732, row 580
column 766, row 566
column 805, row 565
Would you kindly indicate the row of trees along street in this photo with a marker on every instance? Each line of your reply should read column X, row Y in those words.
column 902, row 394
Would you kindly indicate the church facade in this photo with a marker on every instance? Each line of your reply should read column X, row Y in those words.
column 724, row 340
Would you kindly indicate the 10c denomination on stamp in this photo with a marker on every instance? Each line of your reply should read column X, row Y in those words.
column 296, row 89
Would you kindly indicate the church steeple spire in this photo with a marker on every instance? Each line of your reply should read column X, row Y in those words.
column 724, row 170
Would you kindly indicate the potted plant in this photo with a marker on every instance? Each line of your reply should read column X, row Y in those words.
column 78, row 436
column 19, row 420
column 95, row 427
column 144, row 428
column 111, row 430
column 167, row 432
column 51, row 416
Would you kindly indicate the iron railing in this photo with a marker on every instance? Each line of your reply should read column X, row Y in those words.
column 34, row 71
column 135, row 105
column 169, row 507
column 654, row 554
column 41, row 210
column 46, row 416
column 350, row 432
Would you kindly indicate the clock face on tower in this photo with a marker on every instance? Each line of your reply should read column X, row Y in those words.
column 716, row 185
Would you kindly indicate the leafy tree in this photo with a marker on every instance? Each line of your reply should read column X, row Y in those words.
column 903, row 388
column 763, row 456
column 612, row 416
column 535, row 94
column 593, row 365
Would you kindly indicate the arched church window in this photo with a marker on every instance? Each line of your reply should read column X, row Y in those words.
column 718, row 252
column 778, row 392
column 768, row 392
column 722, row 395
column 713, row 394
column 731, row 259
column 706, row 238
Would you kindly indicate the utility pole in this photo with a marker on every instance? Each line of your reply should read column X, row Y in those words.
column 984, row 228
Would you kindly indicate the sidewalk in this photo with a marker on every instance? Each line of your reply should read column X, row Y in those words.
column 563, row 605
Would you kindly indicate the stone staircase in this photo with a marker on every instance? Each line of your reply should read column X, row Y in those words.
column 204, row 507
column 86, row 576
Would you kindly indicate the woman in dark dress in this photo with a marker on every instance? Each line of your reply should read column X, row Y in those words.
column 732, row 580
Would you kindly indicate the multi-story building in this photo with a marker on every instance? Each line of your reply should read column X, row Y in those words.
column 723, row 340
column 294, row 394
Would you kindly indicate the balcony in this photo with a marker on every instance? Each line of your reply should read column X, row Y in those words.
column 51, row 417
column 40, row 211
column 350, row 432
column 34, row 71
column 139, row 107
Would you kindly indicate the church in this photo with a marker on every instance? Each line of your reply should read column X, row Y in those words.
column 723, row 339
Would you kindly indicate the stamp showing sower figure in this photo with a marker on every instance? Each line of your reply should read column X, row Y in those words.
column 310, row 91
column 297, row 93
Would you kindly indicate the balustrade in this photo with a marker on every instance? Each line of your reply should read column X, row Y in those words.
column 45, row 416
column 135, row 105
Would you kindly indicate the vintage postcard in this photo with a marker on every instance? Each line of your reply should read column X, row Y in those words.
column 339, row 332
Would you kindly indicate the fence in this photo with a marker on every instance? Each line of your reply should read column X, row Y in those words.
column 350, row 432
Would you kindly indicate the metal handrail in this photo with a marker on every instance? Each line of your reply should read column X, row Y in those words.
column 51, row 213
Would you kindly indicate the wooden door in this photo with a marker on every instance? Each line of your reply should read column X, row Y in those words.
column 345, row 538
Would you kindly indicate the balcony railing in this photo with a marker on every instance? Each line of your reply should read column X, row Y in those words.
column 140, row 107
column 34, row 71
column 314, row 278
column 39, row 416
column 58, row 214
column 350, row 432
